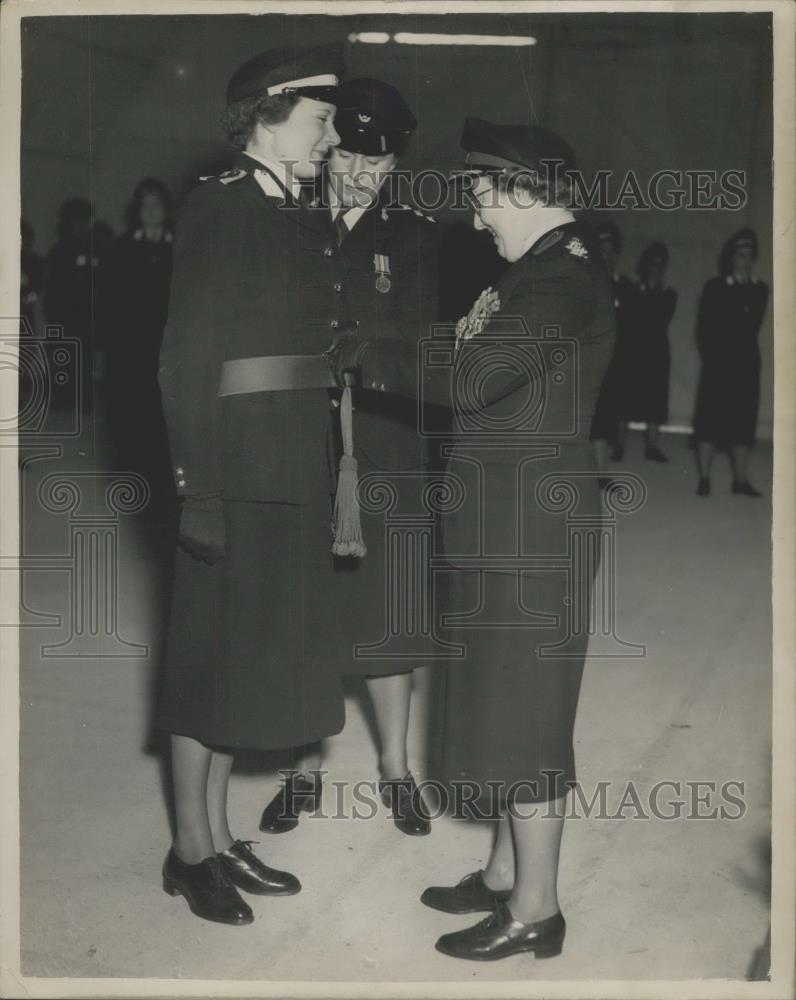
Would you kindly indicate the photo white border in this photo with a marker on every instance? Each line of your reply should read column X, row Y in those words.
column 783, row 904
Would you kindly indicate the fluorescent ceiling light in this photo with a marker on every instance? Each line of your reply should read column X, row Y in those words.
column 419, row 38
column 369, row 37
column 416, row 38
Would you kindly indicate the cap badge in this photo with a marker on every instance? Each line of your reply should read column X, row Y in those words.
column 473, row 323
column 365, row 119
column 577, row 249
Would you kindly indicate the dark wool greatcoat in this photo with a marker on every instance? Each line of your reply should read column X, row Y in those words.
column 255, row 274
column 510, row 710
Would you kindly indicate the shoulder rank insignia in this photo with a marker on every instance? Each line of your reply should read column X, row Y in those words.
column 575, row 248
column 228, row 177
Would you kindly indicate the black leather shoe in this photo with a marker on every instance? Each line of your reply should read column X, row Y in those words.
column 654, row 454
column 297, row 794
column 500, row 935
column 703, row 490
column 471, row 895
column 245, row 870
column 745, row 488
column 403, row 797
column 207, row 890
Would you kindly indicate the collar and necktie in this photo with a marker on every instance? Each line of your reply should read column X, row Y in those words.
column 340, row 228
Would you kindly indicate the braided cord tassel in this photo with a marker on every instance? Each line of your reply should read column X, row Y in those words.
column 346, row 524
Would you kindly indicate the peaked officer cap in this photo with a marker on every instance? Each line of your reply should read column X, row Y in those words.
column 313, row 73
column 372, row 118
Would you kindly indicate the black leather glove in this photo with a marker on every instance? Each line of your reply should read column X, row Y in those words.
column 202, row 531
column 345, row 356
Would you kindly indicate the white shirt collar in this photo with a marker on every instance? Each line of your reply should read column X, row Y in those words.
column 287, row 179
column 351, row 216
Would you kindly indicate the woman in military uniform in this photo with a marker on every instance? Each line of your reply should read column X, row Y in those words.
column 138, row 278
column 510, row 710
column 731, row 311
column 245, row 395
column 607, row 427
column 646, row 394
column 389, row 251
column 72, row 289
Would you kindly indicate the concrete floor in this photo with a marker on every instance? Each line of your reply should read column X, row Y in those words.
column 644, row 899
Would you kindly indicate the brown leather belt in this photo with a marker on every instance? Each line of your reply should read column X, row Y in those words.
column 279, row 373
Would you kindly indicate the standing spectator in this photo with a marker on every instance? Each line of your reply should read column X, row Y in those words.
column 606, row 426
column 137, row 305
column 70, row 286
column 731, row 311
column 646, row 394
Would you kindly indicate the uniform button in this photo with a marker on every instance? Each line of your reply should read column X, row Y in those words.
column 328, row 252
column 381, row 387
column 333, row 324
column 179, row 471
column 181, row 482
column 338, row 286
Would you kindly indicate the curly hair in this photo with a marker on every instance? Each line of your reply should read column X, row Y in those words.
column 240, row 118
column 748, row 236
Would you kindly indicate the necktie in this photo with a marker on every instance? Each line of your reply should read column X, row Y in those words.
column 340, row 228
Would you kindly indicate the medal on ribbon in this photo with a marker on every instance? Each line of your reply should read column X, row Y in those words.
column 381, row 265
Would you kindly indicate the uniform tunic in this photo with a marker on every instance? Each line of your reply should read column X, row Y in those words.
column 509, row 711
column 72, row 294
column 255, row 274
column 390, row 257
column 611, row 400
column 138, row 279
column 646, row 373
column 728, row 396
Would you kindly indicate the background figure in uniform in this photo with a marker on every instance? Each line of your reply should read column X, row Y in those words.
column 31, row 278
column 138, row 278
column 245, row 394
column 731, row 311
column 510, row 710
column 390, row 255
column 646, row 394
column 607, row 428
column 72, row 287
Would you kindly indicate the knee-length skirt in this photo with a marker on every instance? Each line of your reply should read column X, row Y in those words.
column 247, row 661
column 510, row 702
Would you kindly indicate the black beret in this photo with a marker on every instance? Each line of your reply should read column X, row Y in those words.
column 492, row 147
column 312, row 73
column 372, row 118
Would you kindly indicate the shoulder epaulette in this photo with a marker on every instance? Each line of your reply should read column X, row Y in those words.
column 416, row 211
column 228, row 177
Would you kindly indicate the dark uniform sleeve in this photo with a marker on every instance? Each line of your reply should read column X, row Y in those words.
column 561, row 298
column 193, row 343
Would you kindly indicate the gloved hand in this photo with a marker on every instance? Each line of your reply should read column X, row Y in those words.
column 345, row 356
column 202, row 532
